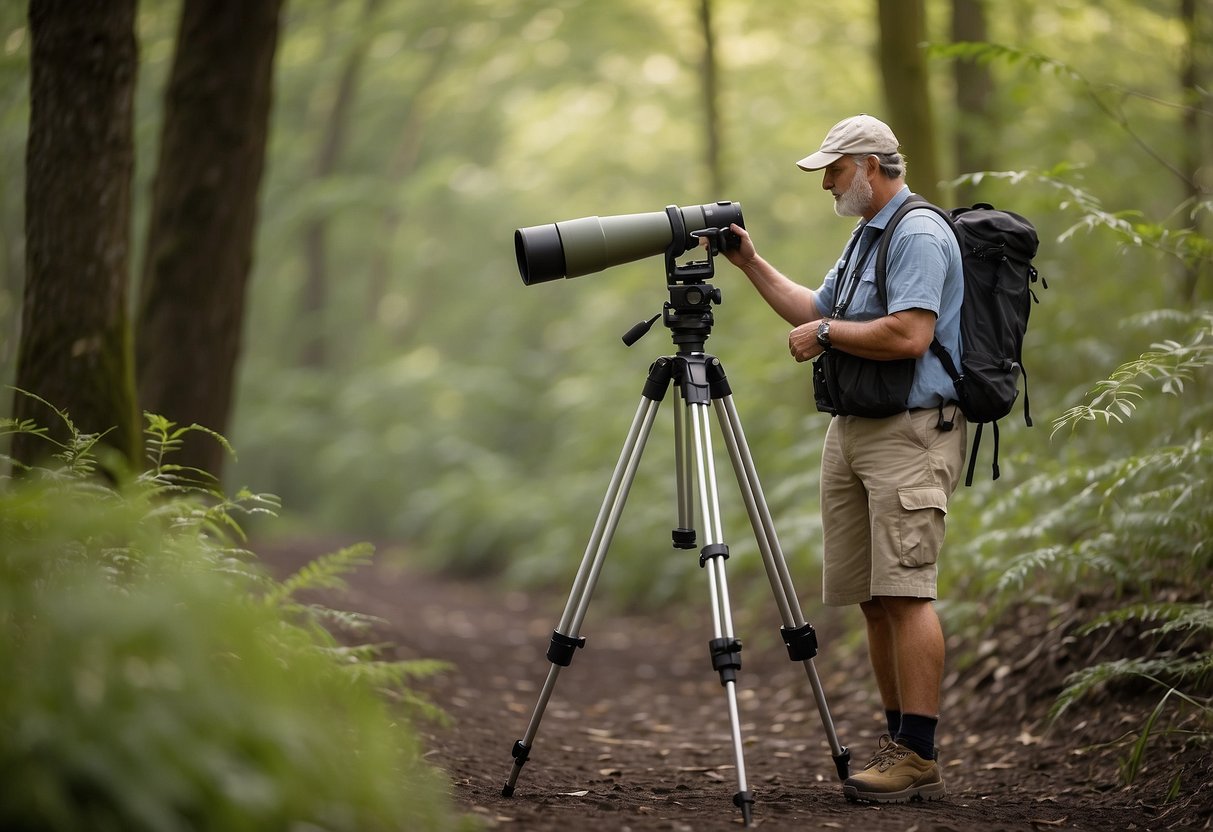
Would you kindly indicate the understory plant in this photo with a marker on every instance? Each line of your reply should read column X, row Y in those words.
column 1128, row 544
column 157, row 678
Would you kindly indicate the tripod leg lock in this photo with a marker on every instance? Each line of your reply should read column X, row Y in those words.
column 712, row 550
column 658, row 382
column 719, row 383
column 726, row 658
column 561, row 650
column 801, row 642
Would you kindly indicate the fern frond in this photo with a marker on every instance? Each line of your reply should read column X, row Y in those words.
column 393, row 679
column 352, row 622
column 1175, row 616
column 164, row 438
column 1166, row 672
column 1017, row 573
column 324, row 572
column 982, row 52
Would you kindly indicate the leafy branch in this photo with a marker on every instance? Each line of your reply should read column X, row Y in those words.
column 1107, row 97
column 1170, row 363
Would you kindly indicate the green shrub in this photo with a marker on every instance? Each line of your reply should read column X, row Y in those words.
column 156, row 679
column 1125, row 541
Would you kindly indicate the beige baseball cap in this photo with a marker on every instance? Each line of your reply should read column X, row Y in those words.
column 857, row 134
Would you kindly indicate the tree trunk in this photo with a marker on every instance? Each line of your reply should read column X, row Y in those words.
column 1191, row 81
column 203, row 216
column 75, row 348
column 315, row 233
column 903, row 68
column 405, row 160
column 711, row 109
column 976, row 119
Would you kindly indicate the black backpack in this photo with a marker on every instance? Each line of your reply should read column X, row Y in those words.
column 997, row 249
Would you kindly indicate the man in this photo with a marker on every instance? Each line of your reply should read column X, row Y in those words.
column 885, row 482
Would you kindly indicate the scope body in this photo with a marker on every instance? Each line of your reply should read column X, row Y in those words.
column 573, row 248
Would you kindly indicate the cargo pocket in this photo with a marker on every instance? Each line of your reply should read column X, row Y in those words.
column 923, row 512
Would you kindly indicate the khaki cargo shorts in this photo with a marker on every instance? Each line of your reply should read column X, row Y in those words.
column 885, row 485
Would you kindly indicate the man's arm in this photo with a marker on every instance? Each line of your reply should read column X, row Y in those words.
column 796, row 304
column 904, row 334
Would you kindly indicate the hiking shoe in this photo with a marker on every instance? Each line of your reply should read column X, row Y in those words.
column 895, row 775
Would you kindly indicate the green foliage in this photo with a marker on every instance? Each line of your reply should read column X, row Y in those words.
column 1170, row 363
column 1117, row 527
column 1134, row 532
column 157, row 679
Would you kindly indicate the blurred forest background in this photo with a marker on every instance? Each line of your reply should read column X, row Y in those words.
column 394, row 380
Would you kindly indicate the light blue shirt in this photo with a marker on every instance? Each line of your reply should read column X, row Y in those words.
column 924, row 271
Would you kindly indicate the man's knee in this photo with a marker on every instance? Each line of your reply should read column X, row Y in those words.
column 894, row 608
column 874, row 612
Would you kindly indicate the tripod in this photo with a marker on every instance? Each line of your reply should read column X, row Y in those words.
column 703, row 386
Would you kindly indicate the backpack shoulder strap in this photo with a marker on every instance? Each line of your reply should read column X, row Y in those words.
column 913, row 202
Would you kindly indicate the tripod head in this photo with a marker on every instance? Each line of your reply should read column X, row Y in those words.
column 688, row 312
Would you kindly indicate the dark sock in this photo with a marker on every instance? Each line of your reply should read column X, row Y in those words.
column 917, row 733
column 893, row 718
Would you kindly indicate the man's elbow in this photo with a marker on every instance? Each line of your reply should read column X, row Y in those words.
column 917, row 345
column 914, row 332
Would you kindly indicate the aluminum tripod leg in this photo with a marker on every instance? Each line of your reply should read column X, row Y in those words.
column 701, row 382
column 565, row 638
column 798, row 635
column 725, row 648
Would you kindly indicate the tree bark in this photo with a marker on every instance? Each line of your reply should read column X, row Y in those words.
column 1191, row 81
column 711, row 97
column 315, row 233
column 75, row 348
column 976, row 120
column 903, row 70
column 203, row 217
column 405, row 160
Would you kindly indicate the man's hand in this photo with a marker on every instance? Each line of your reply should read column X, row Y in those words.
column 744, row 253
column 802, row 341
column 794, row 303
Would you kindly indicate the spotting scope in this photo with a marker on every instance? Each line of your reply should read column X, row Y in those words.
column 583, row 246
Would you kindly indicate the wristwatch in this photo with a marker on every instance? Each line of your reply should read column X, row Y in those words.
column 823, row 334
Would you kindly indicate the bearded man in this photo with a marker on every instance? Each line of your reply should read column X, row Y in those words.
column 885, row 478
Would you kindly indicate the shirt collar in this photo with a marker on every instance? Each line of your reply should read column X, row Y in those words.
column 881, row 220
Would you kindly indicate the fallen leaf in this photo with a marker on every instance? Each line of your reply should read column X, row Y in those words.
column 997, row 766
column 1026, row 738
column 581, row 793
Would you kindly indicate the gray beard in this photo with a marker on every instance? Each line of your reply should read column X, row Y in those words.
column 857, row 198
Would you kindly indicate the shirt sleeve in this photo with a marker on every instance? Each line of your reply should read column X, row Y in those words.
column 918, row 263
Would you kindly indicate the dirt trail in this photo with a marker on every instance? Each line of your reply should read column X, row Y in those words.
column 637, row 735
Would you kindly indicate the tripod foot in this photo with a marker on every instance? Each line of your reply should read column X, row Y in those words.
column 745, row 802
column 843, row 763
column 520, row 753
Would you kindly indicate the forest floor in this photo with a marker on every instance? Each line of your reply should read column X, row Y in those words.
column 637, row 735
